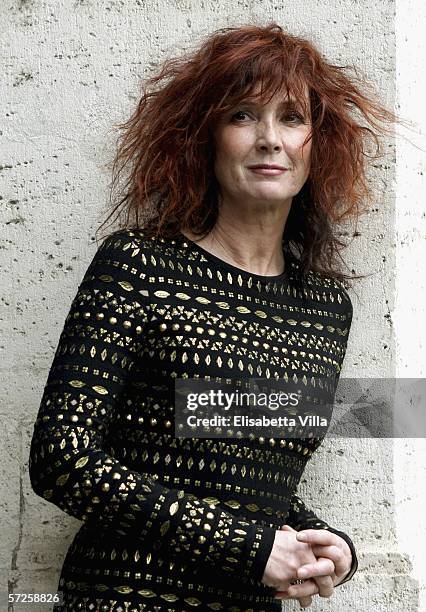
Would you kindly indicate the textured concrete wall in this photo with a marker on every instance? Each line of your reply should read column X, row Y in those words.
column 71, row 70
column 410, row 303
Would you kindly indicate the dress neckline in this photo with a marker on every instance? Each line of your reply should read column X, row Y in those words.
column 221, row 263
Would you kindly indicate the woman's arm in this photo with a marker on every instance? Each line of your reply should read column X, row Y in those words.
column 94, row 360
column 299, row 516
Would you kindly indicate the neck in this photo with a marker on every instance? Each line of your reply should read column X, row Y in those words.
column 254, row 247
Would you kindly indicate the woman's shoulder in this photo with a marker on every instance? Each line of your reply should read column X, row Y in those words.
column 130, row 242
column 134, row 249
column 129, row 262
column 125, row 236
column 328, row 290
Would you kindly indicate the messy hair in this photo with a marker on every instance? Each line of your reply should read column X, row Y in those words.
column 166, row 148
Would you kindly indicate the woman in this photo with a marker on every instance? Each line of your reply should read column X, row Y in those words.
column 248, row 143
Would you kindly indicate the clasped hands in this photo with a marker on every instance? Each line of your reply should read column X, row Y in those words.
column 319, row 557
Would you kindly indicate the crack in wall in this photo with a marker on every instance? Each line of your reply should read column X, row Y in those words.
column 13, row 580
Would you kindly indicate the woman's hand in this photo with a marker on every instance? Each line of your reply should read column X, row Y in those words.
column 319, row 576
column 287, row 556
column 325, row 545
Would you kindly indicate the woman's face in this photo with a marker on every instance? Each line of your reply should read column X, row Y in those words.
column 253, row 134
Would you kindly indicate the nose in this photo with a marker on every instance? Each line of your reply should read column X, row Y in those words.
column 268, row 136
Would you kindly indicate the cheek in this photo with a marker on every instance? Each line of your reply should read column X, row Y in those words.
column 222, row 154
column 303, row 154
column 232, row 146
column 296, row 148
column 223, row 157
column 307, row 156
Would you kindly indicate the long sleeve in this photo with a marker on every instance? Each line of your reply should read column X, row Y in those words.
column 300, row 517
column 97, row 353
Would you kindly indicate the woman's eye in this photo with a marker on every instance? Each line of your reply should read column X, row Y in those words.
column 239, row 116
column 293, row 116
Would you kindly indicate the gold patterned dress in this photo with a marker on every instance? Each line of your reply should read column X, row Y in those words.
column 177, row 524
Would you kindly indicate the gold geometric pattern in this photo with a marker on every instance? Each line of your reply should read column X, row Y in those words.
column 168, row 523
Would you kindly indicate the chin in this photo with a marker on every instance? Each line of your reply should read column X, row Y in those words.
column 272, row 196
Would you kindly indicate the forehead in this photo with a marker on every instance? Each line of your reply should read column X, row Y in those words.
column 282, row 95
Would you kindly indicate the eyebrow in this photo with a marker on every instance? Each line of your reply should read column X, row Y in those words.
column 283, row 104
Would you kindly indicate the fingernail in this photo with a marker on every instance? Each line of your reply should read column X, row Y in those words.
column 301, row 536
column 302, row 573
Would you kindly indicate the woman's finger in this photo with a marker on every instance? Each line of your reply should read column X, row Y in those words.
column 323, row 537
column 334, row 553
column 321, row 585
column 318, row 536
column 331, row 551
column 322, row 567
column 325, row 586
column 298, row 591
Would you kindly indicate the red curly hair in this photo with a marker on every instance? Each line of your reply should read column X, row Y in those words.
column 166, row 148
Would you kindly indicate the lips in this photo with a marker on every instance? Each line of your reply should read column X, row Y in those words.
column 267, row 167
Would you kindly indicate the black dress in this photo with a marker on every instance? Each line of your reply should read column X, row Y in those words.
column 177, row 524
